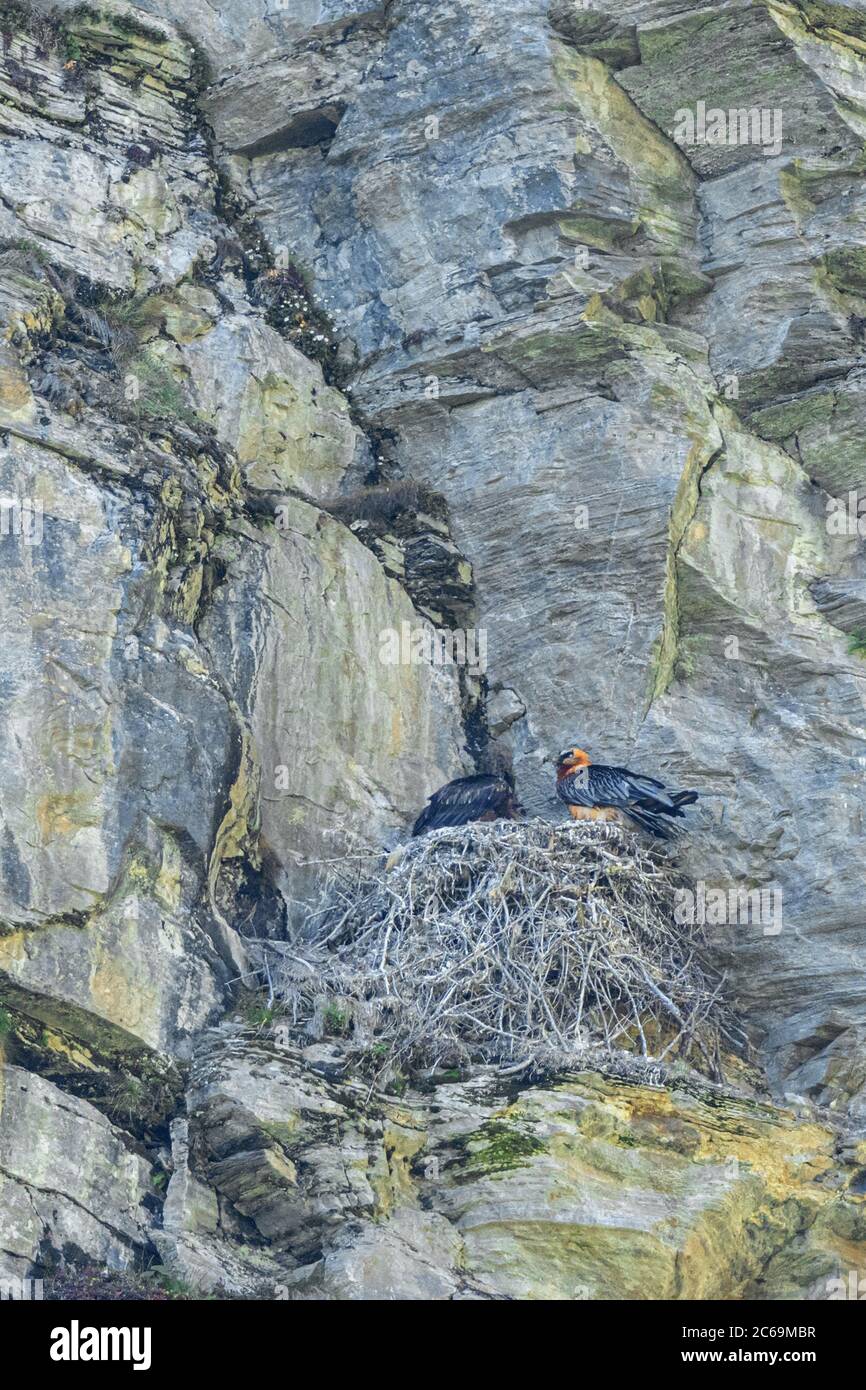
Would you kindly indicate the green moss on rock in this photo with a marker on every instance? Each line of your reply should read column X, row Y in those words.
column 498, row 1146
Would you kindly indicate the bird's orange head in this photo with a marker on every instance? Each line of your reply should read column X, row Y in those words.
column 569, row 759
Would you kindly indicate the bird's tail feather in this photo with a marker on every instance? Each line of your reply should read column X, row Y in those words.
column 648, row 820
column 684, row 798
column 671, row 806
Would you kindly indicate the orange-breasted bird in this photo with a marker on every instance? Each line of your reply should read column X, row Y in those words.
column 592, row 791
column 486, row 796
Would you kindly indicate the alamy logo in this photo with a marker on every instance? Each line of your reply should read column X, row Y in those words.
column 77, row 1343
column 738, row 126
column 419, row 646
column 846, row 518
column 853, row 1289
column 21, row 1290
column 719, row 907
column 21, row 516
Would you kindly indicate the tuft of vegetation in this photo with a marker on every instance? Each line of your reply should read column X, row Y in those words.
column 857, row 644
column 91, row 1284
column 50, row 32
column 128, row 317
column 72, row 50
column 285, row 296
column 109, row 334
column 138, row 1101
column 152, row 392
column 336, row 1019
column 94, row 325
column 130, row 26
column 23, row 250
column 384, row 502
column 258, row 1015
column 21, row 17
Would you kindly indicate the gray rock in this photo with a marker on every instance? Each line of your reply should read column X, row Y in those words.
column 580, row 1188
column 633, row 370
column 344, row 765
column 271, row 406
column 68, row 1181
column 583, row 334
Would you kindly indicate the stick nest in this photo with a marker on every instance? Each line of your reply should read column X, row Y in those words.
column 504, row 943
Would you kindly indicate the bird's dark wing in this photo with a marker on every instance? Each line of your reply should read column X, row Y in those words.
column 652, row 795
column 463, row 800
column 575, row 789
column 644, row 799
column 635, row 783
column 596, row 786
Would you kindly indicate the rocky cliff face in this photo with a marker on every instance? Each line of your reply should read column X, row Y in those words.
column 251, row 264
